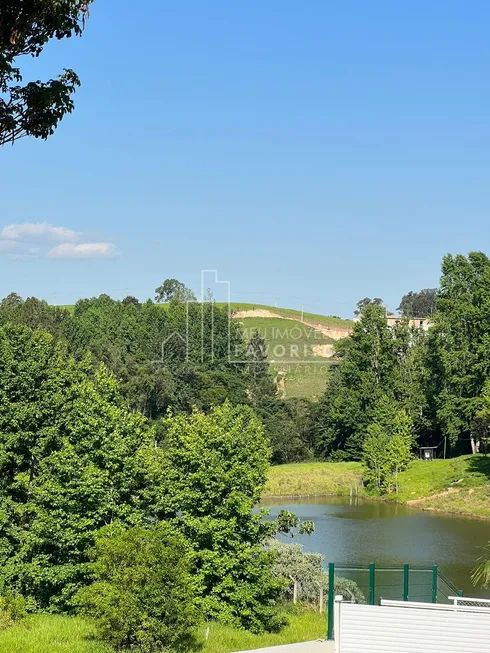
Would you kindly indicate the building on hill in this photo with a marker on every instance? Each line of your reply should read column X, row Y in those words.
column 423, row 323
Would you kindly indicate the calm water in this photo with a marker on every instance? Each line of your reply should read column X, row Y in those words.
column 386, row 533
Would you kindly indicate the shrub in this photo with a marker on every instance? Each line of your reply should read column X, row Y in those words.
column 214, row 468
column 307, row 570
column 141, row 597
column 13, row 608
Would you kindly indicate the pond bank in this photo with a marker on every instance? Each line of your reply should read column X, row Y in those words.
column 459, row 486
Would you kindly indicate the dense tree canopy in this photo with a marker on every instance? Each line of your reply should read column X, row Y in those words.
column 26, row 26
column 73, row 459
column 362, row 304
column 377, row 362
column 214, row 469
column 460, row 343
column 174, row 289
column 181, row 355
column 419, row 304
column 68, row 451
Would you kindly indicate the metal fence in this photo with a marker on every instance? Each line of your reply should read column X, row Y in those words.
column 397, row 583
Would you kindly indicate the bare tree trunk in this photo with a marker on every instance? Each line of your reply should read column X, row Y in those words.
column 475, row 444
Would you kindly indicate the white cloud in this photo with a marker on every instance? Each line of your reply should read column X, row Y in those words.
column 35, row 230
column 34, row 240
column 83, row 251
column 7, row 245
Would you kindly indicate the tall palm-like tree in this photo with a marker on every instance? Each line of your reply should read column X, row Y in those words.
column 481, row 574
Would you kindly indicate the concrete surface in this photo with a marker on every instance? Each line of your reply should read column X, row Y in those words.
column 316, row 646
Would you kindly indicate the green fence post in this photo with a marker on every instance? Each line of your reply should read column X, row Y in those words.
column 331, row 597
column 434, row 584
column 372, row 583
column 405, row 582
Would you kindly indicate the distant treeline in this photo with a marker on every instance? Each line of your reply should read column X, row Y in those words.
column 187, row 354
column 177, row 356
column 436, row 382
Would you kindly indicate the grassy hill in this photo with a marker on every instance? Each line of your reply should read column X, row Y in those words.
column 291, row 348
column 327, row 321
column 299, row 344
column 455, row 485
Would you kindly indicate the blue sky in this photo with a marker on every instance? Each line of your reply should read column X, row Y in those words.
column 318, row 152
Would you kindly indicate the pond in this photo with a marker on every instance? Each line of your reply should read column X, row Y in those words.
column 352, row 531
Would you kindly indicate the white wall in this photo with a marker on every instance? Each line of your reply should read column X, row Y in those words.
column 390, row 629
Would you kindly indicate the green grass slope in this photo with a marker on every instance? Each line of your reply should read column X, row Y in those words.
column 327, row 321
column 456, row 485
column 61, row 634
column 291, row 348
column 313, row 479
column 52, row 634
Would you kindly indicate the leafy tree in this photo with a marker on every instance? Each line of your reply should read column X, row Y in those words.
column 213, row 470
column 142, row 594
column 287, row 523
column 412, row 380
column 364, row 375
column 173, row 289
column 377, row 361
column 32, row 312
column 286, row 426
column 68, row 464
column 129, row 299
column 375, row 456
column 387, row 446
column 362, row 304
column 459, row 344
column 418, row 304
column 35, row 108
column 256, row 353
column 178, row 357
column 481, row 426
column 307, row 569
column 11, row 301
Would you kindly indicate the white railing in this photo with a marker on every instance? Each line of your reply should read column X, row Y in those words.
column 444, row 607
column 466, row 601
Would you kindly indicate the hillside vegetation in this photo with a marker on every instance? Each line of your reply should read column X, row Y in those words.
column 327, row 321
column 298, row 354
column 313, row 479
column 456, row 485
column 296, row 344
